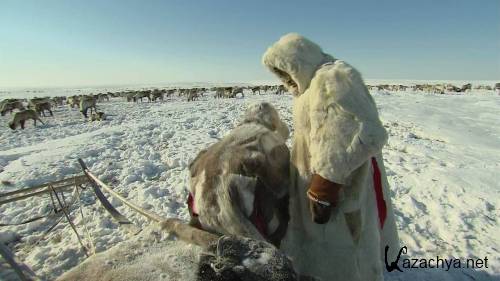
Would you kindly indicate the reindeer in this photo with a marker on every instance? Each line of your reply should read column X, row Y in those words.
column 193, row 95
column 466, row 87
column 239, row 185
column 40, row 105
column 101, row 97
column 237, row 90
column 255, row 90
column 170, row 92
column 10, row 106
column 183, row 92
column 20, row 117
column 142, row 94
column 231, row 92
column 280, row 90
column 7, row 101
column 73, row 101
column 86, row 103
column 58, row 101
column 219, row 93
column 130, row 96
column 228, row 92
column 99, row 116
column 156, row 95
column 265, row 88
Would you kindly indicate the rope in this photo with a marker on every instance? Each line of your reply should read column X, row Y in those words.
column 87, row 232
column 70, row 221
column 146, row 213
column 58, row 217
column 54, row 206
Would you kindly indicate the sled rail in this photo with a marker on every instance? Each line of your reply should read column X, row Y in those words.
column 174, row 226
column 28, row 192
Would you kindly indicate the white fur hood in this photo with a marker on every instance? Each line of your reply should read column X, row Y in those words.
column 297, row 56
column 334, row 113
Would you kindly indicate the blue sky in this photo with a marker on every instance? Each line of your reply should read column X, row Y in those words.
column 80, row 43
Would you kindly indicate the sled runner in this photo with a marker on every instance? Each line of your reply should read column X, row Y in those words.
column 23, row 272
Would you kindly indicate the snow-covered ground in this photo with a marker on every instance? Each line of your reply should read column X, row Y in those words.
column 443, row 161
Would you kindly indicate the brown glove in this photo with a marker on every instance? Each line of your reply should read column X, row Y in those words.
column 324, row 191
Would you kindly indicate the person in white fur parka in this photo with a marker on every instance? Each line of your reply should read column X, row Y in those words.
column 341, row 216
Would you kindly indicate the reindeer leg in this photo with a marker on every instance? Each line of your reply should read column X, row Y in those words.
column 22, row 124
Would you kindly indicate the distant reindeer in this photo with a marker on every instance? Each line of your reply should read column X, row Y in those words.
column 40, row 105
column 86, row 103
column 130, row 96
column 255, row 90
column 170, row 92
column 10, row 106
column 99, row 116
column 7, row 101
column 228, row 92
column 280, row 90
column 20, row 118
column 182, row 92
column 73, row 101
column 219, row 93
column 142, row 94
column 193, row 95
column 40, row 108
column 466, row 87
column 236, row 91
column 58, row 101
column 102, row 97
column 156, row 95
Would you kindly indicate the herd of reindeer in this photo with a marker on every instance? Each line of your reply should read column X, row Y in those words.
column 38, row 107
column 35, row 108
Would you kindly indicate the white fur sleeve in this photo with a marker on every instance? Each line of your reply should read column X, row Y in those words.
column 345, row 127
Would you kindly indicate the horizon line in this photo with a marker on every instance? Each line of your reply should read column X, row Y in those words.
column 251, row 82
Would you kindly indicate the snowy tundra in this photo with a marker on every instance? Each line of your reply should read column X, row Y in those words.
column 442, row 161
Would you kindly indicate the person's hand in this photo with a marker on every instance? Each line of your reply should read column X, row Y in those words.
column 323, row 198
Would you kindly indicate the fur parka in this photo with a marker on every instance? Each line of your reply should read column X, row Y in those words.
column 337, row 133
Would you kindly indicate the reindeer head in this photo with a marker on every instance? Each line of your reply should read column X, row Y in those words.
column 265, row 114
